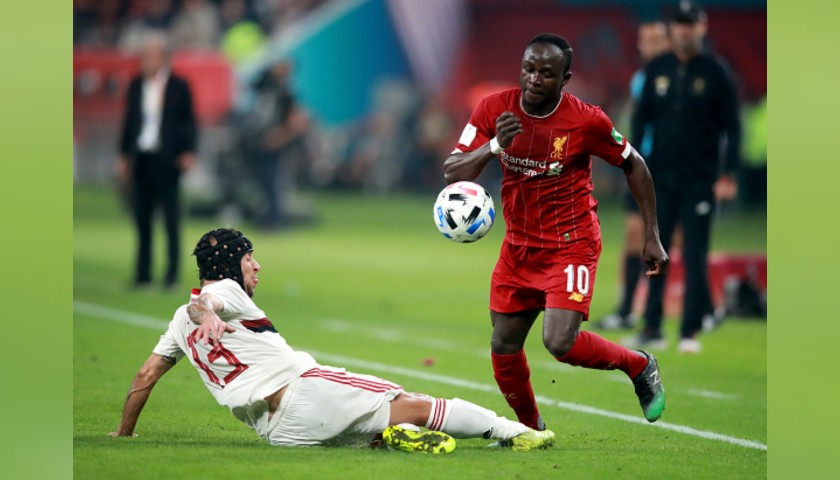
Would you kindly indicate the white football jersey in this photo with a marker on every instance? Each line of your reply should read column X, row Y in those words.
column 248, row 365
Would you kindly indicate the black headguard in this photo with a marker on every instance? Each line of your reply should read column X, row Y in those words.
column 219, row 254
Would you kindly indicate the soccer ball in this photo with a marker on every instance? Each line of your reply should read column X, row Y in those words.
column 464, row 212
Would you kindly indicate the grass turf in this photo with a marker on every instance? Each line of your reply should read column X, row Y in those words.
column 374, row 282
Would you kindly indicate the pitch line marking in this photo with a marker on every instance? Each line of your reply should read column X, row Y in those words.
column 394, row 335
column 143, row 321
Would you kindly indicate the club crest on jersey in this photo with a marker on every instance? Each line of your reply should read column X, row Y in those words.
column 559, row 145
column 698, row 86
column 662, row 83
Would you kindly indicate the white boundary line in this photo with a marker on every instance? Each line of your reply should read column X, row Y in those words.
column 121, row 316
column 393, row 335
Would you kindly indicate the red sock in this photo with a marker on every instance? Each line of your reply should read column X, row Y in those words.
column 514, row 379
column 594, row 351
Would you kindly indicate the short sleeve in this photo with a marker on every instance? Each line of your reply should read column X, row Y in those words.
column 168, row 346
column 235, row 302
column 478, row 130
column 605, row 141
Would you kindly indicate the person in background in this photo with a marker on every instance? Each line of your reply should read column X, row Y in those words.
column 157, row 146
column 652, row 42
column 272, row 141
column 690, row 102
column 196, row 25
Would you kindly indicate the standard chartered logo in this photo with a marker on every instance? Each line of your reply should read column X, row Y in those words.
column 529, row 167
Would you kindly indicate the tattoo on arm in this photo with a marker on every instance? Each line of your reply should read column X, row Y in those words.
column 205, row 305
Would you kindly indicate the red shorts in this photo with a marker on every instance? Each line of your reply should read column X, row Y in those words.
column 529, row 278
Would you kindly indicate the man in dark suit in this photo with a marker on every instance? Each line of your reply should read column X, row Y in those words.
column 157, row 145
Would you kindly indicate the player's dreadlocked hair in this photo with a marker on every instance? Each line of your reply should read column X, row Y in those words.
column 559, row 42
column 219, row 254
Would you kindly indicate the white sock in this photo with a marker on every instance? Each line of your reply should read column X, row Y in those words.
column 504, row 429
column 439, row 414
column 463, row 419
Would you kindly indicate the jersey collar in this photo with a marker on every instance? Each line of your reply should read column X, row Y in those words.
column 521, row 107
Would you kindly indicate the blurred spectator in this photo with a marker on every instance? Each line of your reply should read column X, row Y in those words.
column 755, row 133
column 652, row 41
column 242, row 38
column 148, row 17
column 97, row 22
column 196, row 25
column 157, row 145
column 690, row 100
column 374, row 152
column 753, row 176
column 272, row 141
column 276, row 15
column 433, row 137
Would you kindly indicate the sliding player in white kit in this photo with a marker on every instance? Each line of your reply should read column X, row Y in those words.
column 285, row 395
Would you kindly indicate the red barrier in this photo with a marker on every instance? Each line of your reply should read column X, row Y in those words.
column 722, row 267
column 101, row 78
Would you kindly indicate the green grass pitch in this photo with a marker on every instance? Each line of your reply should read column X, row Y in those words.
column 374, row 288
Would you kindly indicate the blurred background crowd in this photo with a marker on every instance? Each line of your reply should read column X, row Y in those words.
column 368, row 95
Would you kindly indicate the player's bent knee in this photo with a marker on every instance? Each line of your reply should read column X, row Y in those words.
column 410, row 408
column 502, row 347
column 559, row 345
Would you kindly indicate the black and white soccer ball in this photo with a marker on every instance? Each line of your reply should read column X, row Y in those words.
column 464, row 212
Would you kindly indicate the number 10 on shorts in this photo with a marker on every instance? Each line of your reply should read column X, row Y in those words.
column 582, row 280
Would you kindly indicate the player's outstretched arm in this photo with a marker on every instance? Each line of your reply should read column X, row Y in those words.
column 204, row 313
column 641, row 186
column 141, row 388
column 468, row 165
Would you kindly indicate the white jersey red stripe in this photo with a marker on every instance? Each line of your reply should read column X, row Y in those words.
column 353, row 380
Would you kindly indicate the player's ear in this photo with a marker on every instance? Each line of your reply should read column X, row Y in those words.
column 566, row 77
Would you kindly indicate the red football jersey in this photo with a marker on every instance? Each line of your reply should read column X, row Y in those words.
column 547, row 186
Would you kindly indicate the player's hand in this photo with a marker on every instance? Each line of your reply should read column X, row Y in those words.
column 726, row 188
column 655, row 258
column 212, row 329
column 508, row 126
column 123, row 169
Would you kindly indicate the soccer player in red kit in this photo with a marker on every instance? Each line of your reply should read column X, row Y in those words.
column 544, row 139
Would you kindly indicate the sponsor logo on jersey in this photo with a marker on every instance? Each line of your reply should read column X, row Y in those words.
column 526, row 166
column 577, row 297
column 558, row 144
column 619, row 138
column 661, row 83
column 554, row 169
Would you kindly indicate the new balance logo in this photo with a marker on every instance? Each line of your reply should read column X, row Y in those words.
column 554, row 169
column 655, row 377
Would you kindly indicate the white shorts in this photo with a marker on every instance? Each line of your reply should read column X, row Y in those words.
column 330, row 406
